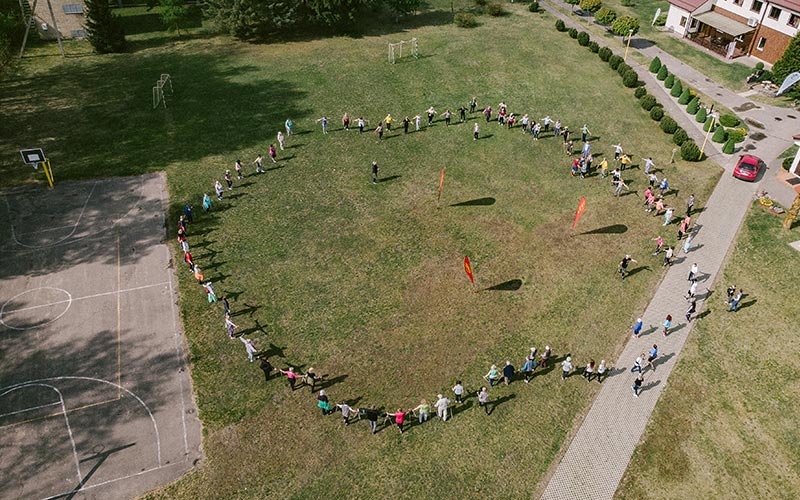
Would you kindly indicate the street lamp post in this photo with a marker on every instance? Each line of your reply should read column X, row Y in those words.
column 630, row 35
column 710, row 128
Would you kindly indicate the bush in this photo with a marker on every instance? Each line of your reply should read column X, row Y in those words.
column 701, row 115
column 614, row 61
column 622, row 25
column 669, row 81
column 623, row 68
column 669, row 125
column 103, row 28
column 736, row 135
column 560, row 26
column 759, row 65
column 677, row 89
column 690, row 151
column 591, row 5
column 720, row 135
column 583, row 39
column 533, row 6
column 680, row 136
column 594, row 47
column 657, row 113
column 686, row 95
column 787, row 163
column 631, row 79
column 694, row 106
column 648, row 102
column 655, row 65
column 766, row 75
column 729, row 147
column 496, row 10
column 661, row 20
column 573, row 33
column 707, row 124
column 604, row 53
column 465, row 20
column 605, row 16
column 729, row 120
column 639, row 92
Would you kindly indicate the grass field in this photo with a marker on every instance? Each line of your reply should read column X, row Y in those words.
column 365, row 282
column 726, row 424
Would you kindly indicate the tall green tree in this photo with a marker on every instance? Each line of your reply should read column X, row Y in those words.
column 103, row 28
column 788, row 63
column 174, row 14
column 250, row 19
column 11, row 31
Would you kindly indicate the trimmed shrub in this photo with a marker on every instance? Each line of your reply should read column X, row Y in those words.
column 591, row 5
column 594, row 47
column 583, row 39
column 631, row 79
column 496, row 10
column 465, row 20
column 623, row 68
column 680, row 136
column 533, row 6
column 759, row 65
column 604, row 53
column 690, row 151
column 639, row 92
column 707, row 124
column 720, row 135
column 677, row 89
column 648, row 102
column 560, row 26
column 685, row 97
column 701, row 115
column 573, row 33
column 669, row 125
column 669, row 81
column 661, row 20
column 623, row 25
column 736, row 134
column 614, row 61
column 655, row 65
column 694, row 106
column 605, row 16
column 787, row 163
column 729, row 147
column 729, row 120
column 657, row 113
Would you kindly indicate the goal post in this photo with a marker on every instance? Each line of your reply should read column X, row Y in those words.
column 396, row 49
column 162, row 89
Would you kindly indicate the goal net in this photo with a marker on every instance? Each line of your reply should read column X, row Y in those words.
column 162, row 89
column 396, row 49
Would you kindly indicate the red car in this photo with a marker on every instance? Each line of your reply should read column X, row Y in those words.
column 747, row 168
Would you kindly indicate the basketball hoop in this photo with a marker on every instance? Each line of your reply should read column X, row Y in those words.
column 35, row 156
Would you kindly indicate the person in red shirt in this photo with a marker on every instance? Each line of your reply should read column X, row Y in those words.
column 399, row 418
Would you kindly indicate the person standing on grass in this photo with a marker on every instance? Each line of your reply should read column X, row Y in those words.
column 620, row 186
column 212, row 297
column 637, row 365
column 528, row 367
column 487, row 113
column 546, row 121
column 206, row 202
column 361, row 122
column 447, row 116
column 281, row 140
column 667, row 324
column 663, row 186
column 508, row 372
column 388, row 121
column 476, row 130
column 730, row 292
column 637, row 384
column 379, row 131
column 623, row 265
column 237, row 165
column 545, row 357
column 652, row 357
column 198, row 273
column 735, row 302
column 323, row 403
column 693, row 272
column 601, row 371
column 374, row 172
column 291, row 376
column 289, row 124
column 668, row 256
column 441, row 405
column 603, row 168
column 648, row 164
column 226, row 307
column 587, row 147
column 431, row 113
column 417, row 122
column 492, row 376
column 424, row 411
column 218, row 189
column 483, row 399
column 187, row 213
column 637, row 328
column 557, row 128
column 689, row 205
column 185, row 246
column 259, row 164
column 617, row 151
column 568, row 149
column 346, row 122
column 652, row 179
column 462, row 111
column 588, row 372
column 399, row 417
column 324, row 121
column 272, row 153
column 371, row 414
column 692, row 309
column 566, row 368
column 565, row 135
column 473, row 103
column 524, row 121
column 459, row 391
column 230, row 326
column 536, row 131
column 406, row 123
column 585, row 133
column 668, row 216
column 266, row 367
column 659, row 243
column 229, row 180
column 347, row 410
column 250, row 347
column 311, row 375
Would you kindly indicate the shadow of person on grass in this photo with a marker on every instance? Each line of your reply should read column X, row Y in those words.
column 457, row 408
column 493, row 404
column 637, row 270
column 326, row 382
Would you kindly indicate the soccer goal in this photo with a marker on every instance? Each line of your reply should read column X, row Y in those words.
column 396, row 49
column 162, row 89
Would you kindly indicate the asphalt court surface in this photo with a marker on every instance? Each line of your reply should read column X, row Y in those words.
column 95, row 393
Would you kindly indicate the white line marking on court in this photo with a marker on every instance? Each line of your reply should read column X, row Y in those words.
column 3, row 312
column 180, row 361
column 30, row 409
column 113, row 480
column 45, row 230
column 92, row 379
column 93, row 296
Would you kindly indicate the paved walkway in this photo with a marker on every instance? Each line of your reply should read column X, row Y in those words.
column 600, row 451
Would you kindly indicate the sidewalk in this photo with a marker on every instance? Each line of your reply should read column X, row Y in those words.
column 596, row 459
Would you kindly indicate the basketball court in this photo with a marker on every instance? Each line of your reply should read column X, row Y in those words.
column 95, row 394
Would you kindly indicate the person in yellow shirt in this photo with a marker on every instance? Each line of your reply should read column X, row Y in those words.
column 625, row 160
column 603, row 168
column 388, row 122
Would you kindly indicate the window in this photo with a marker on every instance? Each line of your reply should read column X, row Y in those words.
column 757, row 4
column 683, row 22
column 794, row 20
column 694, row 23
column 737, row 2
column 78, row 34
column 73, row 8
column 761, row 42
column 774, row 13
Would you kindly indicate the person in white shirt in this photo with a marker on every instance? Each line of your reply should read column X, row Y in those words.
column 566, row 368
column 441, row 407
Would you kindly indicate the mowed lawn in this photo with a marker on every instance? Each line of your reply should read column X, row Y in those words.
column 727, row 423
column 365, row 282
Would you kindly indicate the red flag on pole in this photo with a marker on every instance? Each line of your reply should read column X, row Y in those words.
column 468, row 269
column 441, row 185
column 581, row 209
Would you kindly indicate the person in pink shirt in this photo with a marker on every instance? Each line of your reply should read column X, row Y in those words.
column 291, row 376
column 399, row 418
column 272, row 153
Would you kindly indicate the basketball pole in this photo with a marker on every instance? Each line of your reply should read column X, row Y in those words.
column 48, row 172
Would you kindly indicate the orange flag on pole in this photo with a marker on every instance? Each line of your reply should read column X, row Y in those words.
column 468, row 269
column 441, row 185
column 581, row 209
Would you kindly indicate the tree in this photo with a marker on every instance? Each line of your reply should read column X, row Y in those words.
column 403, row 7
column 685, row 97
column 250, row 19
column 701, row 116
column 605, row 16
column 789, row 61
column 729, row 147
column 677, row 89
column 11, row 31
column 720, row 135
column 103, row 28
column 655, row 65
column 622, row 26
column 694, row 106
column 174, row 13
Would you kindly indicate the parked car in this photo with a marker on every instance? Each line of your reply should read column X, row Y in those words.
column 747, row 168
